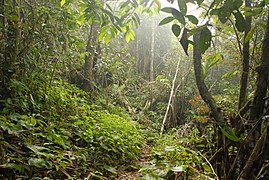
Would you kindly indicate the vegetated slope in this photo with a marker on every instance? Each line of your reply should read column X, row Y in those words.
column 56, row 132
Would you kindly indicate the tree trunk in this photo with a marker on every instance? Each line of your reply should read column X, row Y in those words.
column 257, row 111
column 203, row 90
column 207, row 97
column 152, row 57
column 89, row 58
column 262, row 79
column 169, row 104
column 245, row 62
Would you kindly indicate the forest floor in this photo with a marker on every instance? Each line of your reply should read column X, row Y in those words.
column 135, row 173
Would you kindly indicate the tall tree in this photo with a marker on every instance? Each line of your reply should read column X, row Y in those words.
column 245, row 61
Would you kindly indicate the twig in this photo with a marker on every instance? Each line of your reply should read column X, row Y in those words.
column 213, row 171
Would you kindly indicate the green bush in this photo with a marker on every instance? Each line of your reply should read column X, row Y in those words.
column 57, row 132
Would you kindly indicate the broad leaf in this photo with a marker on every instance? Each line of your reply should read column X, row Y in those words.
column 167, row 9
column 224, row 13
column 192, row 19
column 182, row 4
column 179, row 16
column 166, row 20
column 205, row 39
column 240, row 22
column 176, row 30
column 237, row 4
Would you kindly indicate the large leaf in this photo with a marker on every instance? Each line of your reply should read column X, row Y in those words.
column 192, row 19
column 166, row 20
column 237, row 4
column 224, row 13
column 167, row 9
column 240, row 22
column 205, row 39
column 40, row 163
column 176, row 30
column 179, row 16
column 182, row 4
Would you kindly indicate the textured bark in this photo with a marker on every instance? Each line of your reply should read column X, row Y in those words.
column 252, row 158
column 245, row 62
column 262, row 79
column 207, row 97
column 203, row 90
column 89, row 58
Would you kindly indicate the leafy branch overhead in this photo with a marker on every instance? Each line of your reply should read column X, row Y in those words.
column 223, row 10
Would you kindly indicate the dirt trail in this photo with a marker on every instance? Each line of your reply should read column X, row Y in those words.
column 143, row 159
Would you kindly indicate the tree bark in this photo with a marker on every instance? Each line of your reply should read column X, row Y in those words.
column 89, row 58
column 203, row 90
column 262, row 79
column 245, row 62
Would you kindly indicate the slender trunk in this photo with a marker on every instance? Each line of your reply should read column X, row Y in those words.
column 170, row 98
column 89, row 58
column 245, row 62
column 152, row 56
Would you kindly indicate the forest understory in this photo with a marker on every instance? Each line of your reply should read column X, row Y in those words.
column 136, row 89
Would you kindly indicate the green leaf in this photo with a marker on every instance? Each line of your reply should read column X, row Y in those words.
column 192, row 19
column 110, row 169
column 223, row 13
column 179, row 16
column 166, row 20
column 250, row 34
column 167, row 9
column 205, row 39
column 176, row 29
column 37, row 149
column 229, row 133
column 62, row 2
column 37, row 162
column 237, row 4
column 182, row 4
column 240, row 22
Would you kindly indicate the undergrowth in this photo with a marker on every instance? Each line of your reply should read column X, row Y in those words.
column 55, row 131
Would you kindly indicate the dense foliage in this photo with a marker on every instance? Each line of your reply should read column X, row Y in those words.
column 97, row 90
column 57, row 132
